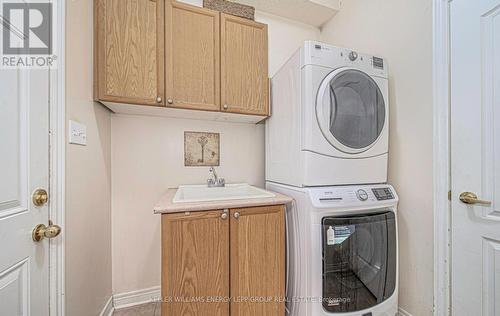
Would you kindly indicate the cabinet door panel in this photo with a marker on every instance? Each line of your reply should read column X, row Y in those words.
column 129, row 40
column 244, row 66
column 258, row 261
column 195, row 251
column 192, row 57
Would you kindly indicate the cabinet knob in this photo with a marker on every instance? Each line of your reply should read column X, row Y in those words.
column 236, row 215
column 225, row 106
column 170, row 101
column 223, row 216
column 158, row 99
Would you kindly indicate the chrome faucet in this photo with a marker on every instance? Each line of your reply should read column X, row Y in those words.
column 215, row 181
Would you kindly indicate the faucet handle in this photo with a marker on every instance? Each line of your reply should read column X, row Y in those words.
column 221, row 182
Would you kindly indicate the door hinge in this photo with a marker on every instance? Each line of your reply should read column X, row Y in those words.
column 449, row 195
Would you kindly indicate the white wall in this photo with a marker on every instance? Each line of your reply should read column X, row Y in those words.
column 401, row 32
column 147, row 158
column 284, row 37
column 88, row 175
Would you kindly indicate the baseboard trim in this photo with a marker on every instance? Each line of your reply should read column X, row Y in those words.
column 108, row 308
column 133, row 298
column 402, row 312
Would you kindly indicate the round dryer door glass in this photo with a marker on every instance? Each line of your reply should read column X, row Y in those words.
column 351, row 110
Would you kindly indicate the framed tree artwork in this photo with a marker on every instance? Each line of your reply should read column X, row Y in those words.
column 201, row 149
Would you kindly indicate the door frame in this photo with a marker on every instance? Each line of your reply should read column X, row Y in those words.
column 57, row 174
column 441, row 157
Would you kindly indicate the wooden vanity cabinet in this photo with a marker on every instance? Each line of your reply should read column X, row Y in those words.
column 257, row 250
column 236, row 253
column 195, row 263
column 128, row 51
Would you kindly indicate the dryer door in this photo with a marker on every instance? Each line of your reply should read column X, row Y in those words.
column 350, row 110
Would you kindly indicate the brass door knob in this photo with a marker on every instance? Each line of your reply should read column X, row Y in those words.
column 41, row 231
column 40, row 197
column 471, row 199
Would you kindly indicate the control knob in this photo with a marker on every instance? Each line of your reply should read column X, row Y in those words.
column 362, row 195
column 353, row 56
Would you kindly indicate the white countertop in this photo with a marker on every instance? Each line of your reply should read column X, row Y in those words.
column 166, row 204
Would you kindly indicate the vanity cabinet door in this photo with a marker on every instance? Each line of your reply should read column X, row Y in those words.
column 128, row 49
column 195, row 256
column 244, row 66
column 257, row 260
column 192, row 57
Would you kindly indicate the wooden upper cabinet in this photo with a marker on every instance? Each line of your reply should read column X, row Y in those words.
column 192, row 60
column 167, row 53
column 129, row 36
column 258, row 260
column 195, row 256
column 244, row 66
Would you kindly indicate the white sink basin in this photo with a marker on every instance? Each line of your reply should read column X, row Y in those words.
column 202, row 193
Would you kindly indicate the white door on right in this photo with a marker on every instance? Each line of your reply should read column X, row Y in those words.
column 475, row 156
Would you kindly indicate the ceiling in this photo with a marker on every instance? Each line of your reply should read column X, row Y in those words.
column 312, row 12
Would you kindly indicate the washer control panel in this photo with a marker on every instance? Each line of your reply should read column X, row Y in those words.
column 362, row 195
column 383, row 194
column 352, row 196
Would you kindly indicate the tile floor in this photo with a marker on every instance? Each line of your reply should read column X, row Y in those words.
column 151, row 309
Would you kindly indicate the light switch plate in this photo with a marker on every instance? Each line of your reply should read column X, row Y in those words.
column 77, row 133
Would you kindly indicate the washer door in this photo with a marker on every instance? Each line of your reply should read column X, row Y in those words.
column 350, row 110
column 359, row 261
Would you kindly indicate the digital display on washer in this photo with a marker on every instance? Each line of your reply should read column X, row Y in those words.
column 383, row 194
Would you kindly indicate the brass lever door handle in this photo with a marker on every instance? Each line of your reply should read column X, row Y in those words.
column 471, row 199
column 41, row 231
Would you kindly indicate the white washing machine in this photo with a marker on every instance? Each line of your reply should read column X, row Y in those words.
column 342, row 250
column 330, row 119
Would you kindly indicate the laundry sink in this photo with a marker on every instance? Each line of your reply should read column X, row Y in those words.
column 202, row 193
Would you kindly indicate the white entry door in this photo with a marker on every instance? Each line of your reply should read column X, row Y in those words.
column 24, row 168
column 475, row 156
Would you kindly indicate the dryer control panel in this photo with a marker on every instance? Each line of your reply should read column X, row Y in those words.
column 321, row 54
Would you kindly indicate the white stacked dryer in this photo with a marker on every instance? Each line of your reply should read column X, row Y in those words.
column 327, row 147
column 330, row 119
